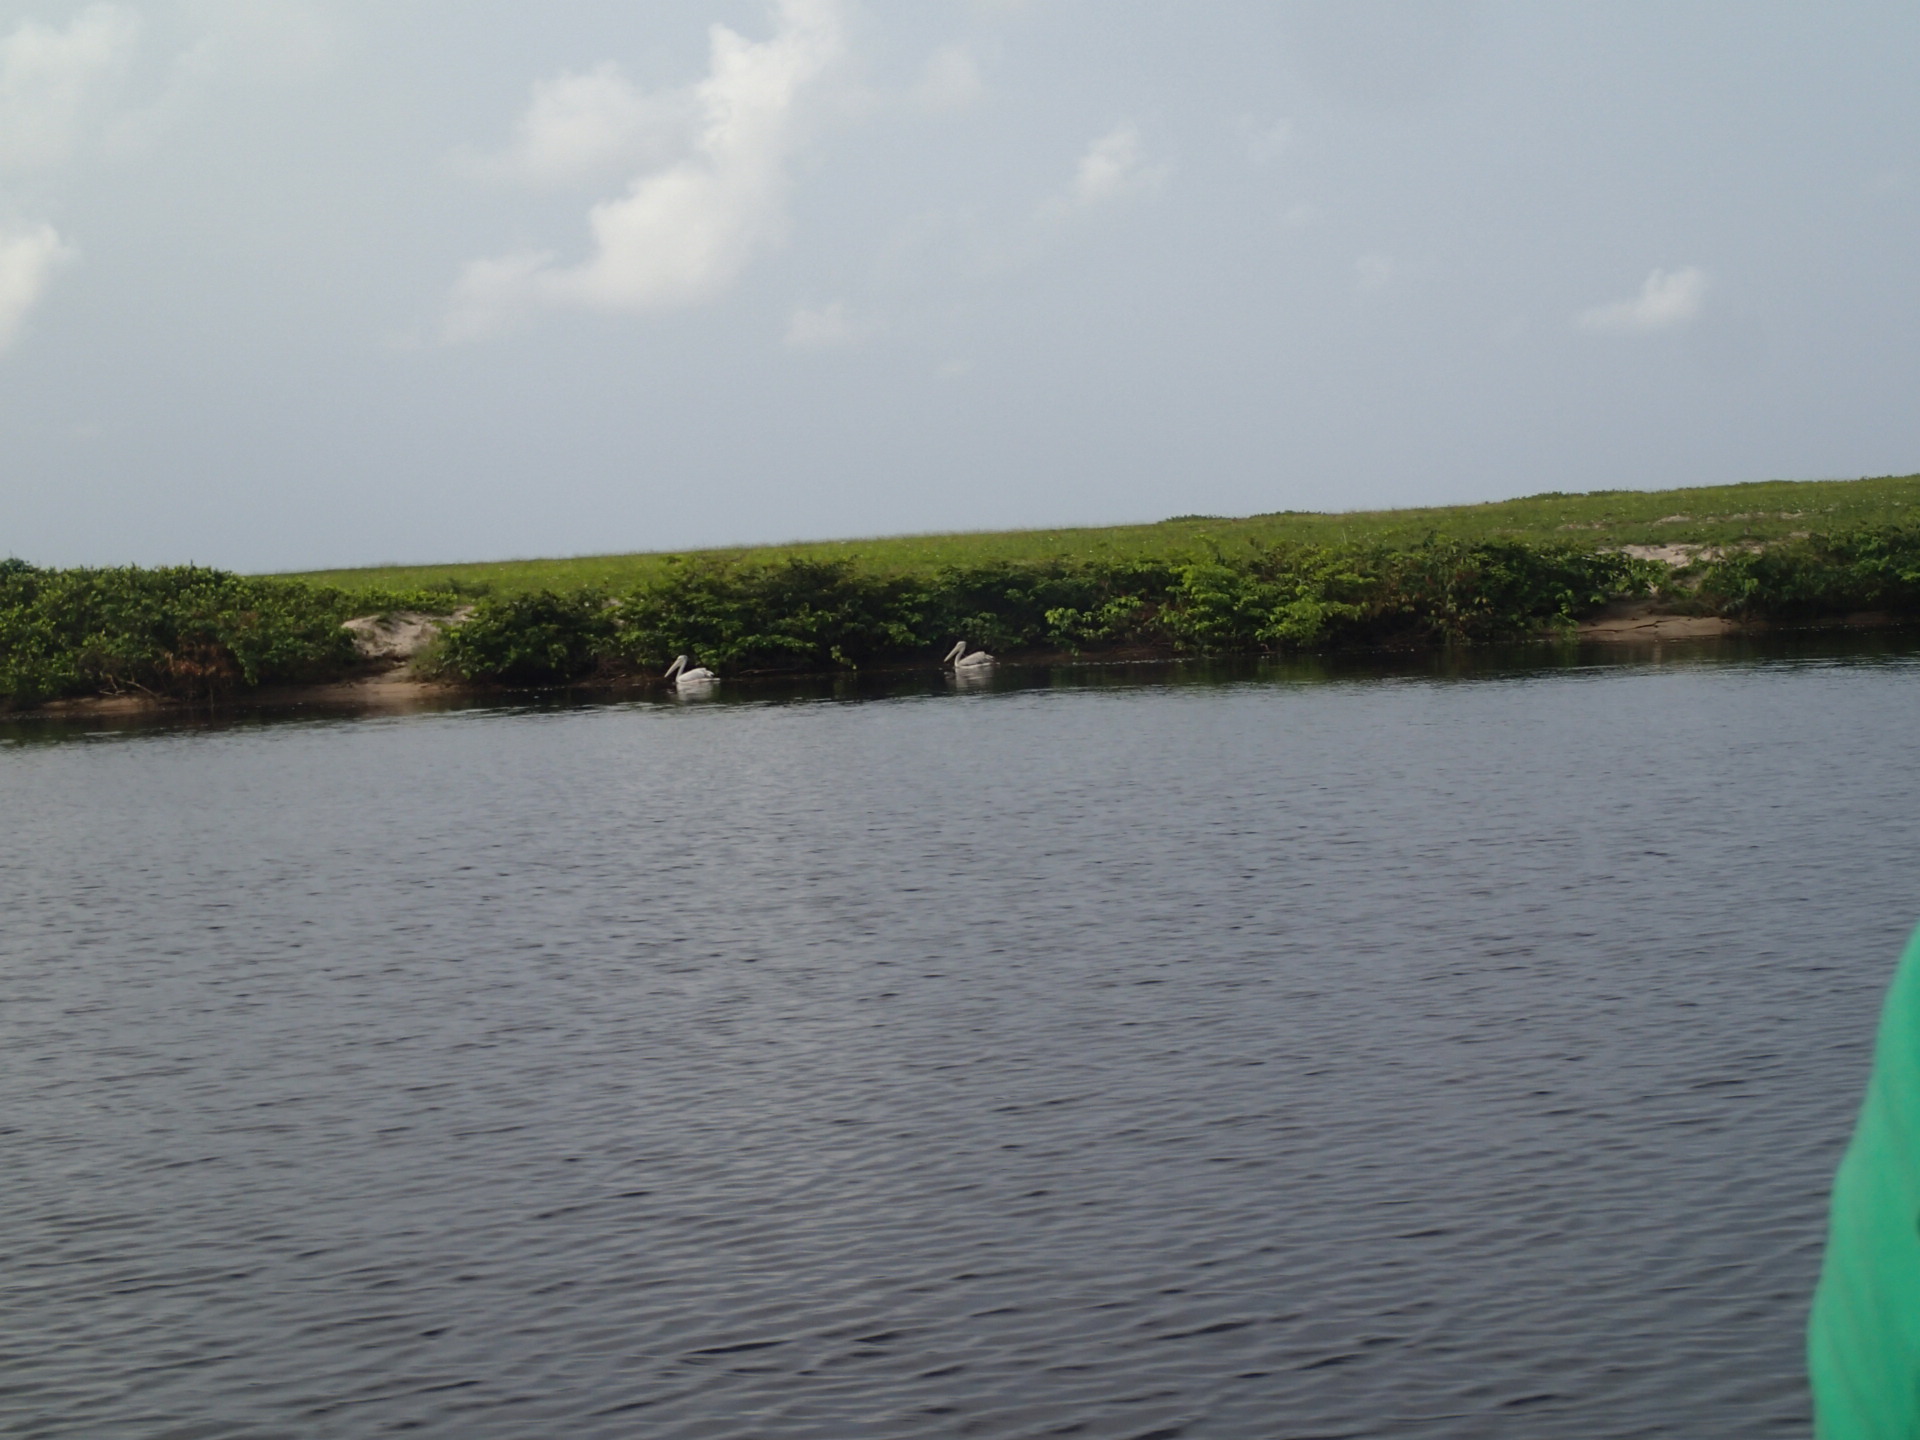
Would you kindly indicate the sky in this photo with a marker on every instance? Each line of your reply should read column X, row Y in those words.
column 287, row 284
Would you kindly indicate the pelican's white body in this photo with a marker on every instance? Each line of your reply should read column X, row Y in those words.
column 960, row 660
column 681, row 678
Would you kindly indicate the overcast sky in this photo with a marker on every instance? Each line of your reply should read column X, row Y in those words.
column 292, row 283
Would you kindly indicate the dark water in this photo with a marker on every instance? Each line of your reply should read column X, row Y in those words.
column 1380, row 1057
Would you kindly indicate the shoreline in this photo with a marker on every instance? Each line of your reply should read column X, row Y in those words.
column 128, row 640
column 396, row 690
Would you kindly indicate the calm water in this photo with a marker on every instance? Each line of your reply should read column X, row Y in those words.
column 1406, row 1057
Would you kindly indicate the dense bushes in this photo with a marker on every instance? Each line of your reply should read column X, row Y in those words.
column 181, row 631
column 1874, row 568
column 185, row 632
column 193, row 632
column 798, row 615
column 537, row 639
column 819, row 615
column 1445, row 591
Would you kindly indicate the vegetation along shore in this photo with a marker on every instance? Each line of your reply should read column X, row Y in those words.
column 1608, row 564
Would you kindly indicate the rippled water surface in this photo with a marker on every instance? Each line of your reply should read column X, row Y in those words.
column 1406, row 1057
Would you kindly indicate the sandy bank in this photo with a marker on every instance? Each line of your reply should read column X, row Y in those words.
column 1641, row 620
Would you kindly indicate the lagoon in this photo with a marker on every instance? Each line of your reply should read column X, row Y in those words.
column 1416, row 1052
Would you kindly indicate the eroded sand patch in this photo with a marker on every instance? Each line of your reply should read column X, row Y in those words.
column 400, row 634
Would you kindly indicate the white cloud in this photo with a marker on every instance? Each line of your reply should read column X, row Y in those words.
column 951, row 80
column 51, row 79
column 493, row 295
column 61, row 91
column 1113, row 168
column 267, row 38
column 28, row 258
column 255, row 42
column 62, row 100
column 580, row 127
column 1668, row 298
column 683, row 233
column 826, row 327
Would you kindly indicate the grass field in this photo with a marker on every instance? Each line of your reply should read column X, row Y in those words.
column 1763, row 510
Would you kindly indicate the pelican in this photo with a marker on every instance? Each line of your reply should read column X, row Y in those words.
column 960, row 660
column 688, row 679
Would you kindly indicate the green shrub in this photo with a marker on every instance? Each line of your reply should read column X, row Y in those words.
column 1281, row 598
column 180, row 631
column 1869, row 568
column 788, row 615
column 1453, row 591
column 537, row 639
column 1055, row 604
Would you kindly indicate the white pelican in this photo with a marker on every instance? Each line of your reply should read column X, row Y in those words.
column 960, row 660
column 688, row 679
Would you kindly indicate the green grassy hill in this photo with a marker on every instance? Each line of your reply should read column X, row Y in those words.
column 1763, row 510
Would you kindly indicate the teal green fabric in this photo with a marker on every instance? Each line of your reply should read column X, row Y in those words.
column 1863, row 1344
